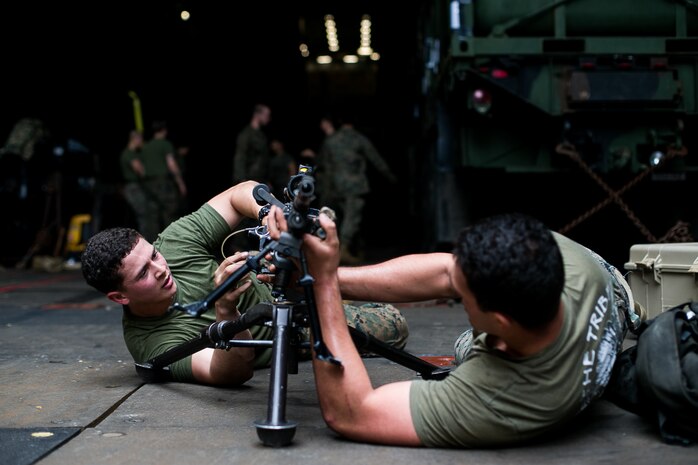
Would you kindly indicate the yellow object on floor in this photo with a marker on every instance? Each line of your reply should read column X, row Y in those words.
column 78, row 233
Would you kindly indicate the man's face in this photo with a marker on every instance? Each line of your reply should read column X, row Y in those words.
column 326, row 126
column 265, row 116
column 147, row 281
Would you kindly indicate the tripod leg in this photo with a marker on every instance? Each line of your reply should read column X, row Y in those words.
column 276, row 431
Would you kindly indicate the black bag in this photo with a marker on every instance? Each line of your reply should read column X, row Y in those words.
column 658, row 377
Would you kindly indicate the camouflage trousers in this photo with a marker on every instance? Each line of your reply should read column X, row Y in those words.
column 461, row 348
column 145, row 210
column 351, row 209
column 382, row 321
column 163, row 192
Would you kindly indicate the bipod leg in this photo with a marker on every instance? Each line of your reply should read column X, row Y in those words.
column 319, row 347
column 276, row 431
column 425, row 369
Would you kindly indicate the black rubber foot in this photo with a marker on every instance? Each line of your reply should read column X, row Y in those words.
column 276, row 435
column 151, row 375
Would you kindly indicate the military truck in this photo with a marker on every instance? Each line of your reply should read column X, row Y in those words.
column 580, row 112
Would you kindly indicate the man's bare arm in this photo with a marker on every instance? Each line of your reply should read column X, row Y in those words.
column 410, row 278
column 226, row 367
column 236, row 203
column 349, row 403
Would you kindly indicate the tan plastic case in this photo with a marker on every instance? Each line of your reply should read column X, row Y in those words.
column 663, row 275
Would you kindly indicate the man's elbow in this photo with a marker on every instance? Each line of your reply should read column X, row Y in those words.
column 243, row 376
column 363, row 429
column 336, row 423
column 344, row 425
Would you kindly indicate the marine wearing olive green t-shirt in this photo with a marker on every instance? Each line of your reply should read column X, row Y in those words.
column 494, row 399
column 154, row 156
column 191, row 247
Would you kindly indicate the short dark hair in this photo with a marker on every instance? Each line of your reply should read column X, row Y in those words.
column 513, row 265
column 104, row 252
column 259, row 108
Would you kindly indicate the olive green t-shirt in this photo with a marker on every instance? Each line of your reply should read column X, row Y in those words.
column 191, row 246
column 127, row 156
column 154, row 155
column 493, row 399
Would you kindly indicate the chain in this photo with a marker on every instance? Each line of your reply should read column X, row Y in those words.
column 678, row 231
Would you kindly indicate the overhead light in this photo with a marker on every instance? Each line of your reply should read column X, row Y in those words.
column 350, row 59
column 331, row 33
column 185, row 15
column 365, row 37
column 324, row 59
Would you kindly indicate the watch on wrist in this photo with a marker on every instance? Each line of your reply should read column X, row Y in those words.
column 264, row 211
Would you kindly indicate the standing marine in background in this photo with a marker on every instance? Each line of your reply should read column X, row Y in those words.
column 163, row 178
column 252, row 156
column 342, row 165
column 143, row 204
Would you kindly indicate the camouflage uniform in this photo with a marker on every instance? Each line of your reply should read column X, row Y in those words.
column 382, row 321
column 251, row 156
column 158, row 184
column 191, row 245
column 342, row 177
column 144, row 205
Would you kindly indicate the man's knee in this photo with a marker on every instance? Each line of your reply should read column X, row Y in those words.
column 382, row 321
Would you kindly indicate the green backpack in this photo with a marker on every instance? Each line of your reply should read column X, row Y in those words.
column 658, row 377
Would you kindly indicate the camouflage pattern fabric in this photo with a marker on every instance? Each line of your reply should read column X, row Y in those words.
column 144, row 205
column 342, row 165
column 163, row 191
column 25, row 134
column 351, row 208
column 462, row 346
column 382, row 321
column 344, row 156
column 145, row 208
